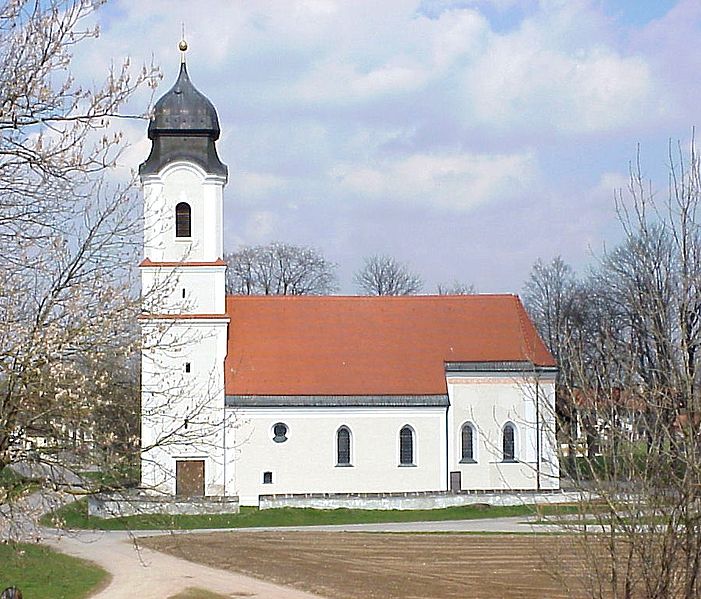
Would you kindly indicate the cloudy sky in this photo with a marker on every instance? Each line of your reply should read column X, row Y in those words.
column 466, row 138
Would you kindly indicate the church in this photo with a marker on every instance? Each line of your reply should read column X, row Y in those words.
column 255, row 396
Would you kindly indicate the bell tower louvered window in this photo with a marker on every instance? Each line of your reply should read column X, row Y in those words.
column 183, row 220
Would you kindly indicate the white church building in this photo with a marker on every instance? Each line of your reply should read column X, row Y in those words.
column 252, row 396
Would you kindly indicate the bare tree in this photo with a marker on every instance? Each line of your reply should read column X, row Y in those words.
column 66, row 231
column 551, row 297
column 383, row 275
column 456, row 288
column 280, row 269
column 632, row 360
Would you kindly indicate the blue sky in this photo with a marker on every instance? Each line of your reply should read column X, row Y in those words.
column 467, row 138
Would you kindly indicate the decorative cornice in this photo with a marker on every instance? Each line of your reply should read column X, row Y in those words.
column 222, row 317
column 147, row 263
column 523, row 367
column 336, row 401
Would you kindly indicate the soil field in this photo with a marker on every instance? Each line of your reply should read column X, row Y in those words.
column 388, row 566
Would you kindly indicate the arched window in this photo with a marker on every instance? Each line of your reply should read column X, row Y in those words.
column 509, row 443
column 183, row 222
column 468, row 443
column 406, row 446
column 343, row 446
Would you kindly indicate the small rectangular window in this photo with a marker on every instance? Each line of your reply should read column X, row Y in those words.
column 187, row 367
column 183, row 292
column 267, row 478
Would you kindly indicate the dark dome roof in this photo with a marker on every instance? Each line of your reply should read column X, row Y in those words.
column 184, row 110
column 184, row 126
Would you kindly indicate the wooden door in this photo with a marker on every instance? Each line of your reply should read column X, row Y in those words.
column 189, row 478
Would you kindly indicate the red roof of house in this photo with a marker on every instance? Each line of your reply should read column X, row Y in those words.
column 312, row 345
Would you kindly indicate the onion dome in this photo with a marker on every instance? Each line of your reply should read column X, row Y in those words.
column 184, row 126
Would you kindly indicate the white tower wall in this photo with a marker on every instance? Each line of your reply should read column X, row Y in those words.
column 184, row 329
column 183, row 182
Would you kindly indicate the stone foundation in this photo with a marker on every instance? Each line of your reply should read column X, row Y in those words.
column 428, row 500
column 132, row 504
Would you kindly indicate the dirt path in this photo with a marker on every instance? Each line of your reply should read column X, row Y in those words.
column 136, row 571
column 141, row 572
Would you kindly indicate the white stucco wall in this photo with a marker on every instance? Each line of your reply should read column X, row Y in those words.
column 170, row 396
column 306, row 462
column 184, row 289
column 183, row 412
column 183, row 182
column 489, row 402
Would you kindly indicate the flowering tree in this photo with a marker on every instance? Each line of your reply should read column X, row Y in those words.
column 67, row 230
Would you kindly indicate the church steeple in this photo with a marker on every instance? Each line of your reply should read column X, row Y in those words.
column 183, row 281
column 184, row 126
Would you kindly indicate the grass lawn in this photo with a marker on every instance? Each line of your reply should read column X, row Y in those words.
column 75, row 516
column 41, row 573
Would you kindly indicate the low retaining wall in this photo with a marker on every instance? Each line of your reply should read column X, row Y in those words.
column 414, row 500
column 116, row 505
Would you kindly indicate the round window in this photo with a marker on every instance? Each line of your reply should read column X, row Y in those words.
column 280, row 432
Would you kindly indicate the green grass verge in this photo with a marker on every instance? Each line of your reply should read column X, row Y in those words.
column 41, row 573
column 75, row 516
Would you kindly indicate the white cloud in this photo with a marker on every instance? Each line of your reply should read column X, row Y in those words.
column 448, row 181
column 531, row 79
column 556, row 71
column 611, row 182
column 254, row 185
column 344, row 83
column 457, row 35
column 259, row 227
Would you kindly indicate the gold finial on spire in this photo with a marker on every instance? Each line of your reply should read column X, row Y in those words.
column 183, row 45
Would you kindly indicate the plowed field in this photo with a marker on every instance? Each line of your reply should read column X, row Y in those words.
column 388, row 566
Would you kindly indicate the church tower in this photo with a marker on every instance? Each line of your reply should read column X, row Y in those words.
column 184, row 322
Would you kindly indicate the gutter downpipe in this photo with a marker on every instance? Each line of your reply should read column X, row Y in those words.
column 537, row 430
column 224, row 449
column 447, row 448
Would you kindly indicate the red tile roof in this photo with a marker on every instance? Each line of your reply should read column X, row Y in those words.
column 310, row 345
